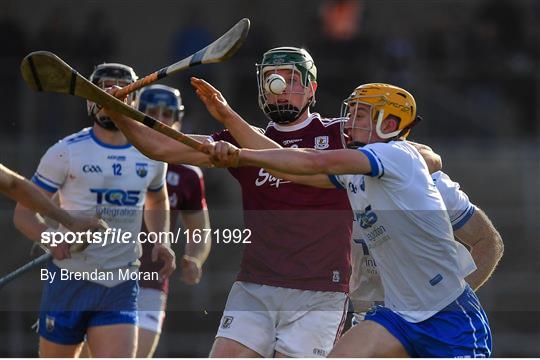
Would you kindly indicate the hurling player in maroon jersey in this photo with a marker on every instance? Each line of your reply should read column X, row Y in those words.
column 185, row 186
column 290, row 295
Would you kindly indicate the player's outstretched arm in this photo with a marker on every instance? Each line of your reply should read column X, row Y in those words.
column 486, row 247
column 291, row 161
column 156, row 145
column 224, row 154
column 28, row 222
column 307, row 161
column 246, row 135
column 24, row 192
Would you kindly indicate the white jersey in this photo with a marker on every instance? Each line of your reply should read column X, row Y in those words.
column 111, row 181
column 460, row 209
column 366, row 289
column 401, row 217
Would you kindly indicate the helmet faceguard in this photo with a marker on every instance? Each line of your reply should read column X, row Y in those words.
column 162, row 97
column 106, row 75
column 298, row 61
column 384, row 101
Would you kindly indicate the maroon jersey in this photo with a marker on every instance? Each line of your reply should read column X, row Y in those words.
column 300, row 234
column 185, row 186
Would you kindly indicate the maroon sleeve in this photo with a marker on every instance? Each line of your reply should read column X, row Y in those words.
column 195, row 198
column 224, row 135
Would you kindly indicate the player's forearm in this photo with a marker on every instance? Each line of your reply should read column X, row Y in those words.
column 307, row 161
column 486, row 246
column 199, row 251
column 7, row 179
column 247, row 136
column 197, row 220
column 27, row 222
column 31, row 200
column 156, row 145
column 157, row 221
column 291, row 161
column 24, row 192
column 146, row 140
column 486, row 255
column 156, row 213
column 319, row 180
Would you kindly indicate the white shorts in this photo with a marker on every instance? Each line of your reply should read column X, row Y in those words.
column 296, row 323
column 151, row 303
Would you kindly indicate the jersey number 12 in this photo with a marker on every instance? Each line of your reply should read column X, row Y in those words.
column 117, row 169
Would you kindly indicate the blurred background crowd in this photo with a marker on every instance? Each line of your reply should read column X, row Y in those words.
column 472, row 65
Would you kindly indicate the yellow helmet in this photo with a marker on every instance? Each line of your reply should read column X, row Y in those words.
column 386, row 100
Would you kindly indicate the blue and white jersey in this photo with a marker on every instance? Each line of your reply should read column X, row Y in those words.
column 460, row 209
column 111, row 181
column 366, row 289
column 401, row 219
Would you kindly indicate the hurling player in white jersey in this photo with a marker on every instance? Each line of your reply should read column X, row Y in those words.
column 92, row 295
column 470, row 225
column 430, row 310
column 23, row 191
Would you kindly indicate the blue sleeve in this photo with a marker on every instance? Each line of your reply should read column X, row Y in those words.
column 377, row 167
column 45, row 183
column 334, row 180
column 53, row 168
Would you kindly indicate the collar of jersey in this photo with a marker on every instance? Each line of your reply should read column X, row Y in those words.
column 295, row 127
column 108, row 146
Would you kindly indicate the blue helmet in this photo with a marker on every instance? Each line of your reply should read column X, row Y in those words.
column 161, row 96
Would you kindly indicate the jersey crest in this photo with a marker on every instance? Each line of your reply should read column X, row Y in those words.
column 322, row 142
column 141, row 169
